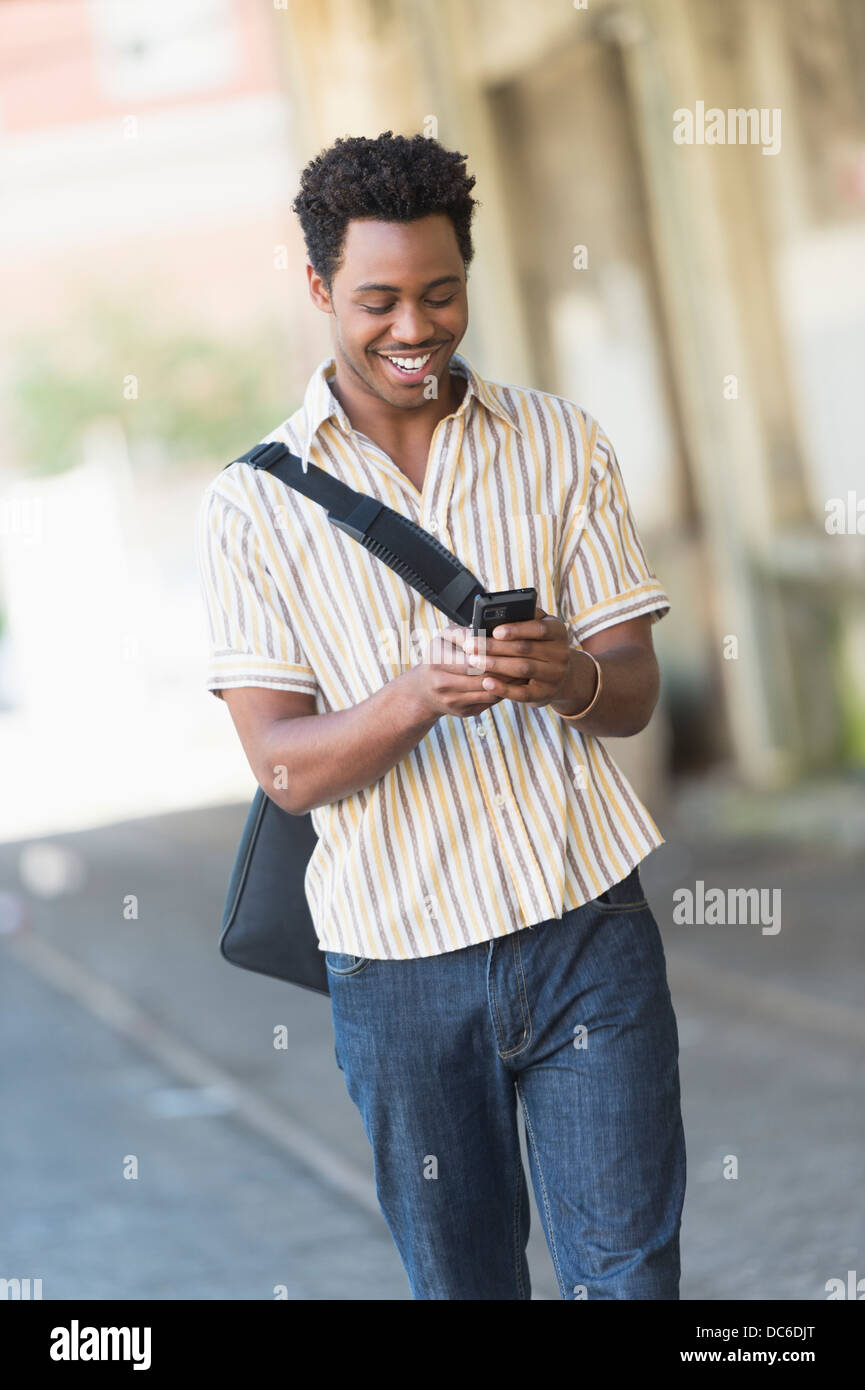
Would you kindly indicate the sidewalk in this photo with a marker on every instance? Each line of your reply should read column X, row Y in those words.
column 233, row 1199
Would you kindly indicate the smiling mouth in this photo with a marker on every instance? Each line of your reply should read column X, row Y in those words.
column 410, row 366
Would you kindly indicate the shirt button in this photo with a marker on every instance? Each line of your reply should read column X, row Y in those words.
column 482, row 733
column 432, row 524
column 499, row 800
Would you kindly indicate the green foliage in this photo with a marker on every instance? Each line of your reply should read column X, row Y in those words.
column 198, row 397
column 852, row 714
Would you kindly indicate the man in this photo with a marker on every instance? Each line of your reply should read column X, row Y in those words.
column 475, row 883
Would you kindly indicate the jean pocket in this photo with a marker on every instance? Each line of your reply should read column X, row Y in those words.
column 341, row 963
column 626, row 896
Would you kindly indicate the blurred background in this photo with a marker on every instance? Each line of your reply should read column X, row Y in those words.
column 705, row 301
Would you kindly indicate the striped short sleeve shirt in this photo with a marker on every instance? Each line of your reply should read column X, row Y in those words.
column 493, row 822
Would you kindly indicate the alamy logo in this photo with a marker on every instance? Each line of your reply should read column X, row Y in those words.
column 76, row 1343
column 845, row 516
column 853, row 1289
column 737, row 126
column 713, row 907
column 20, row 1288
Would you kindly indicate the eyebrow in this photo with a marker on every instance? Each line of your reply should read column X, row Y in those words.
column 394, row 289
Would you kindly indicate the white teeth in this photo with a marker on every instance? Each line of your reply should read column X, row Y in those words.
column 409, row 364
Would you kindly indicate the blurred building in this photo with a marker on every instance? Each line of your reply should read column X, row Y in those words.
column 704, row 300
column 147, row 164
column 145, row 147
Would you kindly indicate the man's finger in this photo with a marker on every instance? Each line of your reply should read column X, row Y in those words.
column 545, row 628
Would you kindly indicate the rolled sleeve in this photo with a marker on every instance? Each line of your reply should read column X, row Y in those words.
column 252, row 641
column 606, row 577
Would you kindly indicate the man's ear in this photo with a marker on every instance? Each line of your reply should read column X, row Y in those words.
column 318, row 291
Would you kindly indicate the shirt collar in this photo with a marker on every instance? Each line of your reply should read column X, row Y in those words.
column 320, row 404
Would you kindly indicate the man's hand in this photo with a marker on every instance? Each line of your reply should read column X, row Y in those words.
column 446, row 681
column 535, row 664
column 530, row 661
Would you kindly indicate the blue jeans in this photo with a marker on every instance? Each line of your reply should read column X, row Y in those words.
column 571, row 1018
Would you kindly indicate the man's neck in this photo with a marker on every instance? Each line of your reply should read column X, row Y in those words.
column 401, row 433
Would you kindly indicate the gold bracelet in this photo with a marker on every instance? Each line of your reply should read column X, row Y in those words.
column 594, row 698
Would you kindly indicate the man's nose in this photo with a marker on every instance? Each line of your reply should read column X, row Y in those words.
column 413, row 326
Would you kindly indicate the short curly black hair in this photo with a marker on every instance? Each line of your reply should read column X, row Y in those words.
column 392, row 178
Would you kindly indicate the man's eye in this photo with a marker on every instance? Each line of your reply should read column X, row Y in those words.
column 385, row 309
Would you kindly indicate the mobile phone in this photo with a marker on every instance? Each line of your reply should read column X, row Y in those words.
column 504, row 606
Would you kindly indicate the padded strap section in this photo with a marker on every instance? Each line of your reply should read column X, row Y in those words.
column 406, row 548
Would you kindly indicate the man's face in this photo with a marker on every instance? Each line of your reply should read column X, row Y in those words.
column 400, row 292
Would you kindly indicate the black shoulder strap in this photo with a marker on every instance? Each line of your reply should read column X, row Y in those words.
column 396, row 540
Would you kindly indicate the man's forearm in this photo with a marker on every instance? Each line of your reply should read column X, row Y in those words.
column 328, row 756
column 315, row 759
column 628, row 696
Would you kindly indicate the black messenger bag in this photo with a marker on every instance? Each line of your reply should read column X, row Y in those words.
column 266, row 924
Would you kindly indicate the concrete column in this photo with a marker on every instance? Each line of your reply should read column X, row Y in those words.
column 664, row 72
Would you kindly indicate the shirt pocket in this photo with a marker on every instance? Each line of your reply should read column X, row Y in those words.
column 526, row 556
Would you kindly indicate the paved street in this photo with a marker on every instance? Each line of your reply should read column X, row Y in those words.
column 131, row 1040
